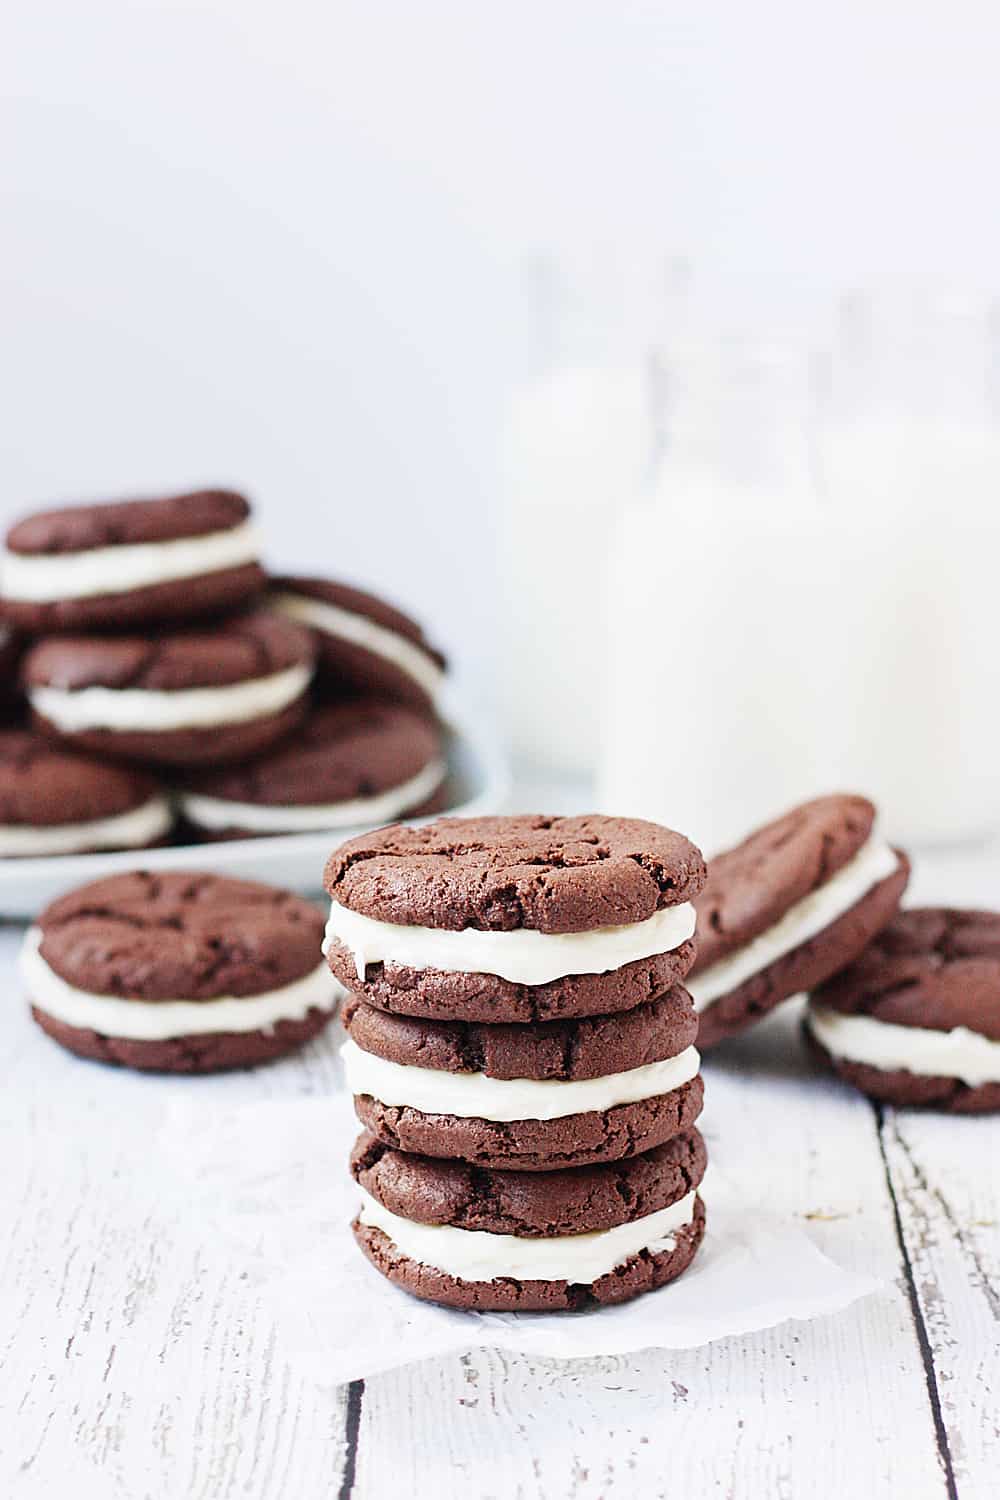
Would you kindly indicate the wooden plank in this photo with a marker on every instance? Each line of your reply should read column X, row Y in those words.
column 945, row 1174
column 835, row 1407
column 128, row 1357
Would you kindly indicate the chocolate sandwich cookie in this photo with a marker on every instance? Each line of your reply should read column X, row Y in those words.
column 513, row 919
column 54, row 801
column 198, row 695
column 131, row 562
column 178, row 972
column 349, row 764
column 916, row 1018
column 785, row 909
column 556, row 1094
column 365, row 644
column 472, row 1237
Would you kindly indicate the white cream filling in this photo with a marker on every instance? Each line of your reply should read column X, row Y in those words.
column 130, row 709
column 873, row 863
column 360, row 631
column 155, row 1021
column 959, row 1053
column 522, row 957
column 128, row 830
column 44, row 578
column 476, row 1255
column 477, row 1096
column 218, row 812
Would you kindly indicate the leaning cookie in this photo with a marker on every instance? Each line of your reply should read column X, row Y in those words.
column 128, row 563
column 557, row 1094
column 178, row 972
column 797, row 900
column 916, row 1019
column 54, row 801
column 348, row 765
column 523, row 918
column 182, row 699
column 501, row 1241
column 365, row 644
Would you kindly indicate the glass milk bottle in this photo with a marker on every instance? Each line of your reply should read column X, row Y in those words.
column 578, row 438
column 912, row 456
column 721, row 610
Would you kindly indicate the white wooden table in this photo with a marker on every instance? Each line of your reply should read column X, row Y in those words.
column 132, row 1366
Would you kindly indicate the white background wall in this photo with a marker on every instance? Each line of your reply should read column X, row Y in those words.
column 275, row 245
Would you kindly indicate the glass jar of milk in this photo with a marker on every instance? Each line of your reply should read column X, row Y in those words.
column 808, row 605
column 911, row 453
column 722, row 618
column 578, row 440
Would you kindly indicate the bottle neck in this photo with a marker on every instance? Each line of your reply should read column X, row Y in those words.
column 741, row 420
column 917, row 358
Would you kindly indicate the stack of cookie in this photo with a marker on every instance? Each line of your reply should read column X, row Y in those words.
column 521, row 1052
column 162, row 676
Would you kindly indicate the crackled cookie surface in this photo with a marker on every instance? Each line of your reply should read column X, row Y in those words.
column 525, row 918
column 56, row 801
column 366, row 645
column 130, row 563
column 206, row 694
column 178, row 972
column 531, row 1097
column 346, row 765
column 916, row 1018
column 501, row 1240
column 783, row 910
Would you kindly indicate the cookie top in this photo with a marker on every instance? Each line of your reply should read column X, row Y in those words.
column 44, row 786
column 933, row 967
column 342, row 751
column 749, row 888
column 180, row 936
column 358, row 602
column 248, row 646
column 81, row 528
column 588, row 1048
column 534, row 1205
column 499, row 874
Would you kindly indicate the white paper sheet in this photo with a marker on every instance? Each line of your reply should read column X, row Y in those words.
column 269, row 1184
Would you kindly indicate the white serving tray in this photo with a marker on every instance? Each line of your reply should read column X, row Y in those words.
column 478, row 782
